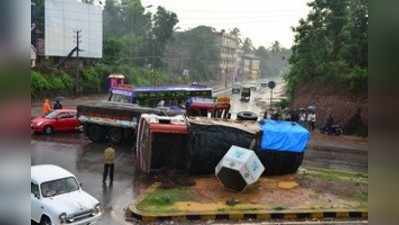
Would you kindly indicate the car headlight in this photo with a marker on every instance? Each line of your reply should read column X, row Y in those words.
column 97, row 208
column 63, row 217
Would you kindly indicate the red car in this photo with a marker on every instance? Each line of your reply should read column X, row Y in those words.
column 58, row 120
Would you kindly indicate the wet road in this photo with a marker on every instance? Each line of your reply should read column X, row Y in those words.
column 85, row 159
column 77, row 154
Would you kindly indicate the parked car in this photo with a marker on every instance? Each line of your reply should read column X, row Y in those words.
column 57, row 198
column 58, row 120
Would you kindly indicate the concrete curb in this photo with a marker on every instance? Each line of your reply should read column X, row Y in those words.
column 133, row 213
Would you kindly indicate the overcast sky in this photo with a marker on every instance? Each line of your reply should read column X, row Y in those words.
column 264, row 21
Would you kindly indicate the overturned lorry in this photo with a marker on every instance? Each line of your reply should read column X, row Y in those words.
column 114, row 121
column 197, row 144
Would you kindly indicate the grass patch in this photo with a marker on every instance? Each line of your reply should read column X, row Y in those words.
column 337, row 175
column 162, row 200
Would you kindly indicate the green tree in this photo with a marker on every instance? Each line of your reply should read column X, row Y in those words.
column 274, row 60
column 197, row 51
column 247, row 46
column 331, row 45
column 164, row 23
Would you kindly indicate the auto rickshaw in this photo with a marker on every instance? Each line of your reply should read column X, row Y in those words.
column 245, row 94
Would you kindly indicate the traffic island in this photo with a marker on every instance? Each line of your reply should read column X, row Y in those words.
column 309, row 194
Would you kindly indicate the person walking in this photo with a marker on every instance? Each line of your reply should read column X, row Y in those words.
column 46, row 108
column 109, row 155
column 57, row 105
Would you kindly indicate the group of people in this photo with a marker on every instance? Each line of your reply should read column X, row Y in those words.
column 46, row 107
column 306, row 118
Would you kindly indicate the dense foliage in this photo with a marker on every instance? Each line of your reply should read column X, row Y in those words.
column 331, row 46
column 135, row 37
column 195, row 50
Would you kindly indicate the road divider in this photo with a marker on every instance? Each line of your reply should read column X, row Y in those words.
column 135, row 214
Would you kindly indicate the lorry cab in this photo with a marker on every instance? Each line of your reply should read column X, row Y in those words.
column 162, row 143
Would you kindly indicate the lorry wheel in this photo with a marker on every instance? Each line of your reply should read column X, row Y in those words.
column 95, row 133
column 115, row 135
column 246, row 115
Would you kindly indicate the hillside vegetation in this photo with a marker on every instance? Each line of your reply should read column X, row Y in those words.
column 331, row 46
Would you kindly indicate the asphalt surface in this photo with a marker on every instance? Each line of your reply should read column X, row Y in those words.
column 74, row 152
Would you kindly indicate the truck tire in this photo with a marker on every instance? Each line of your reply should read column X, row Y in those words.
column 115, row 135
column 280, row 162
column 246, row 115
column 95, row 133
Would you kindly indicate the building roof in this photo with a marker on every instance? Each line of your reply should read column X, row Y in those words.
column 44, row 173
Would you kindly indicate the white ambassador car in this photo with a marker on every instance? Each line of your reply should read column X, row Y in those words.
column 57, row 198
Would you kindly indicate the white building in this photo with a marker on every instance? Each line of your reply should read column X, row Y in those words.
column 229, row 46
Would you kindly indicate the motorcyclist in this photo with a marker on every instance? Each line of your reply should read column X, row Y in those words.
column 329, row 124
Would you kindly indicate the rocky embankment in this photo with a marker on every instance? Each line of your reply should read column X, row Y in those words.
column 342, row 104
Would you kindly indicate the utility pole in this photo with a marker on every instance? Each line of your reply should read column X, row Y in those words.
column 271, row 97
column 77, row 75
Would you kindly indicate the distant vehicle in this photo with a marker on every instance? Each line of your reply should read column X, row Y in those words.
column 58, row 199
column 245, row 94
column 253, row 85
column 236, row 88
column 151, row 96
column 115, row 80
column 263, row 84
column 56, row 121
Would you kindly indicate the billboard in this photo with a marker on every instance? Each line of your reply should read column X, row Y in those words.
column 63, row 18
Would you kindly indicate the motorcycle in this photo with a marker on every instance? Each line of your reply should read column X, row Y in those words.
column 334, row 129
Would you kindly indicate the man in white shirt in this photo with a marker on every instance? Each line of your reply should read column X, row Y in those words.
column 312, row 120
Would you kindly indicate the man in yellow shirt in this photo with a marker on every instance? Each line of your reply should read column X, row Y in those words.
column 109, row 155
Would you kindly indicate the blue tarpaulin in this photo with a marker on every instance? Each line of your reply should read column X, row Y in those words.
column 283, row 136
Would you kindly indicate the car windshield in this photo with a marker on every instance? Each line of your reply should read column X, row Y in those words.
column 52, row 115
column 57, row 187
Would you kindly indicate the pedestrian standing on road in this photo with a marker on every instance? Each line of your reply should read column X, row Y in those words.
column 57, row 105
column 302, row 117
column 46, row 108
column 109, row 155
column 312, row 120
